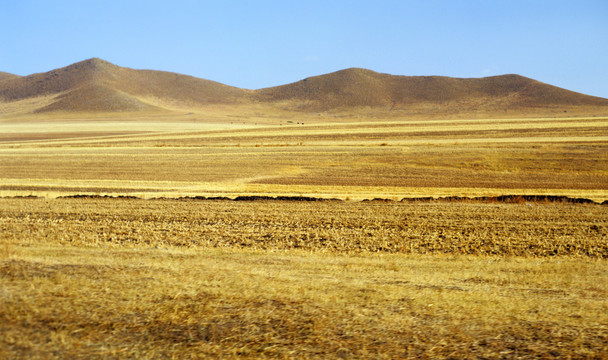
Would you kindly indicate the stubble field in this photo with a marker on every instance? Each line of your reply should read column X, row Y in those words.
column 158, row 277
column 125, row 278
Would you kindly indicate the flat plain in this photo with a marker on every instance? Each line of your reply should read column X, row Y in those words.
column 190, row 155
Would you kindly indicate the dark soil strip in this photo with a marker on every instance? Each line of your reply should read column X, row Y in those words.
column 509, row 199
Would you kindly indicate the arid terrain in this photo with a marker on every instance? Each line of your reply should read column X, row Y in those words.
column 128, row 278
column 357, row 160
column 146, row 214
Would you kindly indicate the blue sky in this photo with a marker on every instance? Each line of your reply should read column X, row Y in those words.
column 255, row 44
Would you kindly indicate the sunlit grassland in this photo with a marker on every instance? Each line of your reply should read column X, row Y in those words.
column 190, row 155
column 123, row 278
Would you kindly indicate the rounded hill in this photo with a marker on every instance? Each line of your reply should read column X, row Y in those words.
column 97, row 85
column 365, row 88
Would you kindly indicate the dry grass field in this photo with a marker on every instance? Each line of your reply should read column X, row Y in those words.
column 191, row 155
column 144, row 278
column 128, row 278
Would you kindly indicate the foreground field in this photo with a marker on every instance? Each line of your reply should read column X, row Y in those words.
column 122, row 278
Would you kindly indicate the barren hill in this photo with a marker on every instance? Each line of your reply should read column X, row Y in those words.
column 96, row 85
column 366, row 88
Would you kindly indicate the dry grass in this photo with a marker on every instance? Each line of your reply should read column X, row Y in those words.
column 108, row 278
column 333, row 226
column 188, row 155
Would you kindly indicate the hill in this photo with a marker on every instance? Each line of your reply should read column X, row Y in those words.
column 95, row 85
column 366, row 88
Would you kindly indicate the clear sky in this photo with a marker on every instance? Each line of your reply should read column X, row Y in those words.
column 255, row 44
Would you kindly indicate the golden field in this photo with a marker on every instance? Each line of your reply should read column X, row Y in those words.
column 153, row 276
column 194, row 155
column 131, row 278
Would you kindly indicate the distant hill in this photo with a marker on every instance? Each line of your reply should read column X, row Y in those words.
column 361, row 87
column 96, row 85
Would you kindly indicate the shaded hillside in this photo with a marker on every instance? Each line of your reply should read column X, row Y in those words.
column 97, row 85
column 95, row 98
column 361, row 87
column 52, row 82
column 172, row 88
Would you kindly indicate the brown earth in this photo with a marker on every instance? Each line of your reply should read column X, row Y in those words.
column 5, row 76
column 95, row 85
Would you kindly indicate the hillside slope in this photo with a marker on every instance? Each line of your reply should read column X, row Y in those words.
column 6, row 76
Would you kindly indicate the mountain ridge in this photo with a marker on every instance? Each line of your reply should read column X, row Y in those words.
column 95, row 85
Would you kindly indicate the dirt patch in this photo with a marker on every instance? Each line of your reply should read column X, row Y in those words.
column 61, row 135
